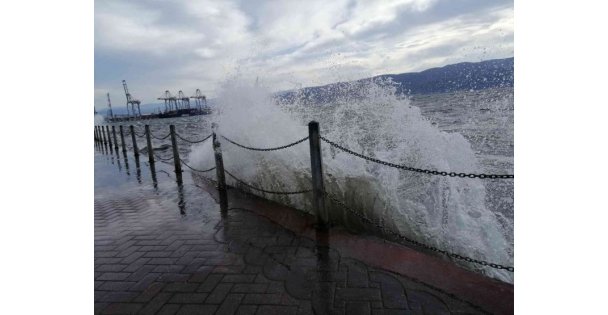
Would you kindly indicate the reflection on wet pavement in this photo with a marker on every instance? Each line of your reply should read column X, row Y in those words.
column 163, row 248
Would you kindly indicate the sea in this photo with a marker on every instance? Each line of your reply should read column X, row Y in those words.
column 462, row 131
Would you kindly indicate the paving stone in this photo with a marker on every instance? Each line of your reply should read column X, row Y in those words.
column 239, row 278
column 145, row 281
column 122, row 308
column 219, row 293
column 357, row 276
column 116, row 285
column 149, row 293
column 168, row 268
column 277, row 309
column 358, row 308
column 228, row 269
column 113, row 276
column 188, row 298
column 117, row 296
column 180, row 287
column 161, row 254
column 360, row 294
column 173, row 277
column 169, row 309
column 132, row 257
column 113, row 268
column 262, row 298
column 142, row 272
column 230, row 305
column 156, row 303
column 162, row 261
column 210, row 283
column 197, row 309
column 249, row 288
column 136, row 264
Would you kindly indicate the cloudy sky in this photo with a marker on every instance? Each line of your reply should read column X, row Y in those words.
column 157, row 44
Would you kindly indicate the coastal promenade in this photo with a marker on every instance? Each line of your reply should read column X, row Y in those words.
column 162, row 249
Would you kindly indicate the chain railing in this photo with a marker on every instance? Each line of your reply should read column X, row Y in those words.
column 194, row 169
column 265, row 190
column 409, row 240
column 413, row 169
column 143, row 135
column 318, row 190
column 194, row 141
column 160, row 158
column 161, row 138
column 266, row 149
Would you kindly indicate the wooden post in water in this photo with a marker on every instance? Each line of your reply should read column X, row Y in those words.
column 122, row 140
column 135, row 149
column 115, row 139
column 219, row 170
column 149, row 143
column 176, row 160
column 109, row 136
column 316, row 167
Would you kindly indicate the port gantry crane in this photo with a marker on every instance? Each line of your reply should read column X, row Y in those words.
column 170, row 101
column 131, row 101
column 199, row 99
column 110, row 106
column 185, row 101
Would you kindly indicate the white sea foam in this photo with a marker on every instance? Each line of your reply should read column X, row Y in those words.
column 99, row 120
column 448, row 213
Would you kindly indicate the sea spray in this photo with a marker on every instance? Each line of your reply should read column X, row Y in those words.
column 370, row 118
column 99, row 120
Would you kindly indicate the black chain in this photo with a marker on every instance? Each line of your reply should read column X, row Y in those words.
column 162, row 159
column 267, row 191
column 163, row 138
column 138, row 135
column 453, row 255
column 165, row 162
column 266, row 149
column 194, row 169
column 419, row 170
column 193, row 141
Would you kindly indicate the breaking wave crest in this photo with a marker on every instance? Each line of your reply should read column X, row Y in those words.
column 370, row 118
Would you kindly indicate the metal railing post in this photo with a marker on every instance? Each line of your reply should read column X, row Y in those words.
column 109, row 136
column 219, row 169
column 149, row 143
column 316, row 167
column 135, row 149
column 176, row 160
column 122, row 139
column 115, row 139
column 103, row 135
column 95, row 132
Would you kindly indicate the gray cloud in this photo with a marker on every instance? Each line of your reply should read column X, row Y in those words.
column 158, row 45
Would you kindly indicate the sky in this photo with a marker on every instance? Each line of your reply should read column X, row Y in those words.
column 158, row 45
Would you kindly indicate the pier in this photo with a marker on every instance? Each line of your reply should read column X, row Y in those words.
column 175, row 106
column 240, row 253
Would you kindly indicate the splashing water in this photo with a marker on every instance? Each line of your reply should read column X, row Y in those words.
column 99, row 120
column 366, row 117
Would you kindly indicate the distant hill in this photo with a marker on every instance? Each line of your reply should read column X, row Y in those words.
column 450, row 78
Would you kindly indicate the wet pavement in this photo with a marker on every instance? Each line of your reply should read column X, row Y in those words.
column 166, row 249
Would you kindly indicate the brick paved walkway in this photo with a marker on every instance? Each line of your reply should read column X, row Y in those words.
column 152, row 261
column 160, row 249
